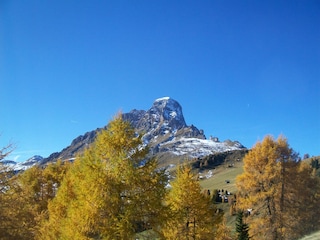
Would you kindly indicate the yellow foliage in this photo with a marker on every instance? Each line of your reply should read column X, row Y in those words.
column 109, row 192
column 24, row 203
column 272, row 185
column 193, row 215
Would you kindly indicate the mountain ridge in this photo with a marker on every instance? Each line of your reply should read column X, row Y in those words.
column 163, row 130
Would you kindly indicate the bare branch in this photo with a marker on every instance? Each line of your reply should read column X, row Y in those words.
column 5, row 151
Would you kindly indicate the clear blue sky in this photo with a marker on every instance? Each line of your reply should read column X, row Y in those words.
column 240, row 69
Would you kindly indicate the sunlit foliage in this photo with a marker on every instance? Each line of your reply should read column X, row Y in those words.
column 111, row 192
column 274, row 186
column 193, row 215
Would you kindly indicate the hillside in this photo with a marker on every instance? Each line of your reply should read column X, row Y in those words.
column 223, row 177
column 222, row 173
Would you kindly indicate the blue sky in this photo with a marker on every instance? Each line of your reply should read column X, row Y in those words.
column 240, row 69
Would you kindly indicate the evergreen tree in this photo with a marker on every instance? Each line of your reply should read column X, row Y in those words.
column 242, row 228
column 215, row 196
column 315, row 163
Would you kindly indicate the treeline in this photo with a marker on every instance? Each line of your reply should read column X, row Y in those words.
column 113, row 191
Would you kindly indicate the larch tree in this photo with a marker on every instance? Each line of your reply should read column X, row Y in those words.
column 269, row 186
column 112, row 191
column 305, row 201
column 193, row 214
column 27, row 198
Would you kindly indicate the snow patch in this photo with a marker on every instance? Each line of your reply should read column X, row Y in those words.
column 195, row 147
column 22, row 166
column 173, row 114
column 162, row 99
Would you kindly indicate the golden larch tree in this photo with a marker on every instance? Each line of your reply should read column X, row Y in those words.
column 112, row 191
column 193, row 214
column 269, row 187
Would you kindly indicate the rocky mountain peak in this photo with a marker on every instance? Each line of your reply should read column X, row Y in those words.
column 164, row 116
column 163, row 129
column 169, row 111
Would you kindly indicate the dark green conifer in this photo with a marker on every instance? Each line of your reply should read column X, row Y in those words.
column 242, row 228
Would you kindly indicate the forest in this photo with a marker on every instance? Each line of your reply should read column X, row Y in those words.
column 114, row 191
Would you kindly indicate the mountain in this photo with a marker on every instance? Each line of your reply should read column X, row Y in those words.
column 21, row 166
column 77, row 146
column 165, row 132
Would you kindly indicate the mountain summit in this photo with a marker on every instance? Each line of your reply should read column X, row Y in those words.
column 164, row 131
column 164, row 119
column 165, row 113
column 169, row 111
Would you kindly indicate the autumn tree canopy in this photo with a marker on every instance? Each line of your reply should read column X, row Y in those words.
column 193, row 214
column 273, row 185
column 118, row 190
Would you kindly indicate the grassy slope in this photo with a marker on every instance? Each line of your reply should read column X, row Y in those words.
column 217, row 181
column 220, row 175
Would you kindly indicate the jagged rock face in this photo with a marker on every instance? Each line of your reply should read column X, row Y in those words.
column 78, row 145
column 191, row 132
column 134, row 117
column 163, row 121
column 168, row 112
column 165, row 114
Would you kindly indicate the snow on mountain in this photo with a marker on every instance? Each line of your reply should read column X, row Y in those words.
column 195, row 147
column 170, row 133
column 21, row 166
